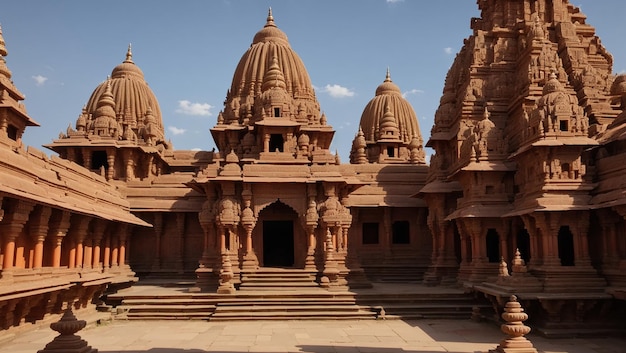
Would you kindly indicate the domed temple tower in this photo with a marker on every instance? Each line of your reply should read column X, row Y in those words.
column 521, row 105
column 389, row 225
column 277, row 195
column 120, row 130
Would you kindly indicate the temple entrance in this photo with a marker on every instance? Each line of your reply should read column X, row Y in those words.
column 278, row 244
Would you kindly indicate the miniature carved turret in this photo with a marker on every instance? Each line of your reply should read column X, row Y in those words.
column 515, row 329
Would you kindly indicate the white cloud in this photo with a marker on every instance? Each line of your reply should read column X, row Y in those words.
column 39, row 80
column 196, row 149
column 413, row 91
column 447, row 50
column 337, row 91
column 188, row 108
column 394, row 1
column 176, row 131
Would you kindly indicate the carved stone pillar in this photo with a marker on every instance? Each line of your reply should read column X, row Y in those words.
column 59, row 226
column 124, row 230
column 207, row 272
column 78, row 231
column 111, row 161
column 98, row 232
column 310, row 224
column 180, row 230
column 38, row 231
column 14, row 220
column 86, row 158
column 106, row 259
column 158, row 231
column 248, row 221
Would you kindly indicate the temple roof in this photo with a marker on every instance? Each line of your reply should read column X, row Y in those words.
column 389, row 99
column 269, row 44
column 132, row 96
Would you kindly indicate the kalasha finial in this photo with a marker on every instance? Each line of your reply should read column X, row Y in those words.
column 270, row 18
column 388, row 77
column 129, row 54
column 515, row 329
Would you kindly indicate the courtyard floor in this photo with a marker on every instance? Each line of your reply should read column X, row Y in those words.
column 381, row 336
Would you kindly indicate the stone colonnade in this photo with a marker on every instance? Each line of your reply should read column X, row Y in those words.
column 49, row 256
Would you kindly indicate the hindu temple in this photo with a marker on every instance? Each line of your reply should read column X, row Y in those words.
column 523, row 195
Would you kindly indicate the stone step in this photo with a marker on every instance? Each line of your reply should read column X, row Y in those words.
column 167, row 308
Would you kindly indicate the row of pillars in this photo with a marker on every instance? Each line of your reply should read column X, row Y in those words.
column 74, row 240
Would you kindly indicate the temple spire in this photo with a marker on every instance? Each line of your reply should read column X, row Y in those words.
column 3, row 49
column 270, row 19
column 129, row 54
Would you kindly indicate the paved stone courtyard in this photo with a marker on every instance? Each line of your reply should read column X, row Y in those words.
column 390, row 336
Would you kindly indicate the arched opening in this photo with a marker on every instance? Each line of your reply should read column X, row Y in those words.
column 566, row 246
column 277, row 224
column 523, row 244
column 276, row 143
column 493, row 245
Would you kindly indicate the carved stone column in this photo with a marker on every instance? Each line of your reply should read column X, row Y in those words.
column 158, row 231
column 78, row 231
column 180, row 230
column 14, row 220
column 207, row 272
column 111, row 161
column 310, row 224
column 248, row 221
column 98, row 232
column 38, row 231
column 106, row 258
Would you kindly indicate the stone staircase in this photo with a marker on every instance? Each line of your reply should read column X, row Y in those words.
column 288, row 294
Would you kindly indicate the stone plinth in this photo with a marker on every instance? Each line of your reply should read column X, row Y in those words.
column 515, row 329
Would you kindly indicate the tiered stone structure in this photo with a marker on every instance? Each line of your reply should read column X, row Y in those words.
column 514, row 328
column 526, row 108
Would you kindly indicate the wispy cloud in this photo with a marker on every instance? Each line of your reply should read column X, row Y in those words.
column 394, row 1
column 448, row 50
column 176, row 131
column 337, row 91
column 39, row 80
column 199, row 109
column 196, row 149
column 413, row 91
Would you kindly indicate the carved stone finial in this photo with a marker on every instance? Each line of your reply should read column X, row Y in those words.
column 67, row 341
column 129, row 54
column 515, row 329
column 503, row 270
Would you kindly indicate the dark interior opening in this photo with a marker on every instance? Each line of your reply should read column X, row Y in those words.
column 390, row 152
column 523, row 244
column 493, row 245
column 276, row 143
column 12, row 132
column 566, row 246
column 400, row 232
column 278, row 244
column 370, row 233
column 99, row 159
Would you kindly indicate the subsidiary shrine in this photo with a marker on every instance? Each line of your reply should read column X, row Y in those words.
column 523, row 196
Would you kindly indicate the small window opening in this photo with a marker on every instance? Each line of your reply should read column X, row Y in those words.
column 391, row 152
column 566, row 246
column 563, row 125
column 12, row 132
column 277, row 112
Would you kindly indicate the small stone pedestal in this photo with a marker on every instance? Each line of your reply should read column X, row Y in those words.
column 226, row 275
column 514, row 316
column 67, row 341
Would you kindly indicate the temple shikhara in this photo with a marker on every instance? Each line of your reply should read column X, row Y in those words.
column 524, row 194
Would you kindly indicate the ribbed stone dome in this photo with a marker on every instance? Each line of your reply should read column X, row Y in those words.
column 131, row 94
column 269, row 44
column 389, row 96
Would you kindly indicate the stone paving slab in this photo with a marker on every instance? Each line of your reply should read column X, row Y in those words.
column 390, row 336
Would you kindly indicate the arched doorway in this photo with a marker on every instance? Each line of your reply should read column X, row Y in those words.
column 278, row 236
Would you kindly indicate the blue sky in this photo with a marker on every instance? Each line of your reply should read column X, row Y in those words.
column 59, row 51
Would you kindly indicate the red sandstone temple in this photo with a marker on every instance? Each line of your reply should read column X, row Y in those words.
column 524, row 194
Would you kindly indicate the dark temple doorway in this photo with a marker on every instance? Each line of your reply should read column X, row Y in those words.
column 278, row 244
